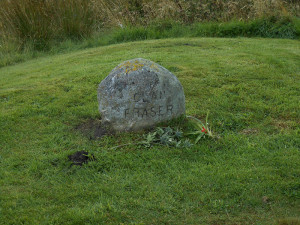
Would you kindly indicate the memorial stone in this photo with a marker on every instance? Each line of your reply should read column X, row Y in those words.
column 138, row 94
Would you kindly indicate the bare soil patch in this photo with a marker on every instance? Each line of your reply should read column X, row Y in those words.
column 250, row 131
column 93, row 129
column 80, row 157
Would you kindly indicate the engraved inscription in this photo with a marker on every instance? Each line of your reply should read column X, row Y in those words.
column 143, row 96
column 126, row 112
column 136, row 111
column 145, row 113
column 153, row 112
column 148, row 112
column 160, row 111
column 169, row 108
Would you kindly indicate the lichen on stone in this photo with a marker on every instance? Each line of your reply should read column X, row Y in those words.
column 130, row 66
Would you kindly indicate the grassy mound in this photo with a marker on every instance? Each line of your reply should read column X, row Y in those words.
column 12, row 52
column 249, row 175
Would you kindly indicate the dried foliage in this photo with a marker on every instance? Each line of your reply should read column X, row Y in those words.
column 41, row 21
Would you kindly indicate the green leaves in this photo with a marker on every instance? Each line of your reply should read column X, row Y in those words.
column 166, row 136
column 174, row 138
column 201, row 130
column 149, row 139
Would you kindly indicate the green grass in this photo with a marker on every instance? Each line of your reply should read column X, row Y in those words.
column 272, row 27
column 250, row 87
column 263, row 27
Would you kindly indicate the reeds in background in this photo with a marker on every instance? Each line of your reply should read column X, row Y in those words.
column 40, row 22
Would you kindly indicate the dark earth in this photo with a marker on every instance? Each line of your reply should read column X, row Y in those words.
column 80, row 157
column 93, row 129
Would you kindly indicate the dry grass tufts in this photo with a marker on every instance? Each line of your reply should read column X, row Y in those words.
column 43, row 21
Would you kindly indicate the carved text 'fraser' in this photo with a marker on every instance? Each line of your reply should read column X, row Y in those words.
column 148, row 112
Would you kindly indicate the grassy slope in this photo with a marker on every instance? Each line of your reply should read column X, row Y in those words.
column 250, row 86
column 285, row 28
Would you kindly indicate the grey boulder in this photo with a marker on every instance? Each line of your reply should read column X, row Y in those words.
column 138, row 94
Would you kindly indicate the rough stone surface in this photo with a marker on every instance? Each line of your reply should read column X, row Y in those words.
column 138, row 94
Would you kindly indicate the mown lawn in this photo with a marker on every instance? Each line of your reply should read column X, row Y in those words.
column 250, row 175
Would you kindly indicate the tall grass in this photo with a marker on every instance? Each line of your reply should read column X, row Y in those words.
column 264, row 27
column 42, row 21
column 27, row 26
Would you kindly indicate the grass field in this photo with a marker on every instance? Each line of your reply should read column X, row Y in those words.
column 250, row 175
